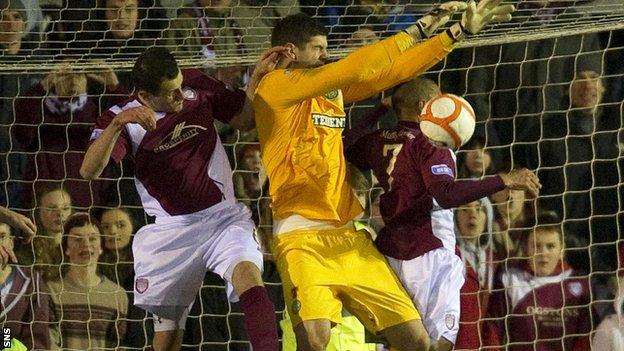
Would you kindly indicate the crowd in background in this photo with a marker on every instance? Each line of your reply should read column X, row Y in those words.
column 551, row 105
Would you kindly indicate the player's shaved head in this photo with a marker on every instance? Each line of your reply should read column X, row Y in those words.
column 296, row 29
column 410, row 98
column 154, row 66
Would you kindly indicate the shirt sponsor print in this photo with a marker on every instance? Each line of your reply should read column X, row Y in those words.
column 442, row 169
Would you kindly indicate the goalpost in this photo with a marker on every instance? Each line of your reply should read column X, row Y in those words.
column 531, row 82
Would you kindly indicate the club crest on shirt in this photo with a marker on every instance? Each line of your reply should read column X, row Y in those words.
column 442, row 169
column 189, row 94
column 181, row 132
column 141, row 285
column 449, row 320
column 295, row 305
column 331, row 94
column 576, row 288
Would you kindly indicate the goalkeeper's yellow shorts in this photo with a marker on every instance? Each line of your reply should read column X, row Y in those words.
column 322, row 270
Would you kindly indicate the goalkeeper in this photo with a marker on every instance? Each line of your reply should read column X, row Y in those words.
column 324, row 262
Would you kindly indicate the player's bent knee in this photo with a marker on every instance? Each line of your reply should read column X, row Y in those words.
column 407, row 336
column 443, row 345
column 313, row 335
column 245, row 276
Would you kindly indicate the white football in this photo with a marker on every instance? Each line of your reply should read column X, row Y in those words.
column 448, row 121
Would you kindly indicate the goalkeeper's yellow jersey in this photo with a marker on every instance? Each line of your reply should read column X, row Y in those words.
column 300, row 117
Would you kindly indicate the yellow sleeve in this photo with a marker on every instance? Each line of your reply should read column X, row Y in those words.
column 407, row 66
column 286, row 88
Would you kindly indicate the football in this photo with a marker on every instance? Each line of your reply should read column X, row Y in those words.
column 448, row 120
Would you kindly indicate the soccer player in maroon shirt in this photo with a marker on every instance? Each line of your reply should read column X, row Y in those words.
column 420, row 191
column 185, row 180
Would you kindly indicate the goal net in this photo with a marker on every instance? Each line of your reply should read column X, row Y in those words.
column 547, row 89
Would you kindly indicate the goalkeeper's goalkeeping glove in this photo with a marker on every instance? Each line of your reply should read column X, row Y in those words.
column 477, row 16
column 428, row 24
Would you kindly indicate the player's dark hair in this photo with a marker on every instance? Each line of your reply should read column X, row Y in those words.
column 297, row 29
column 78, row 220
column 408, row 95
column 154, row 66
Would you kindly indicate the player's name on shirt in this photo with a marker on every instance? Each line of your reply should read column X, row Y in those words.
column 397, row 134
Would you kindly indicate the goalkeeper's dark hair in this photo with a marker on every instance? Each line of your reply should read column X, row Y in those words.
column 408, row 95
column 297, row 29
column 154, row 66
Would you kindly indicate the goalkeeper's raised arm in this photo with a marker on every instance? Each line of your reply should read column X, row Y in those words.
column 375, row 67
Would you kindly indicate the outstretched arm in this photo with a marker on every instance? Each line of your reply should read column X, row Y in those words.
column 422, row 57
column 451, row 193
column 298, row 85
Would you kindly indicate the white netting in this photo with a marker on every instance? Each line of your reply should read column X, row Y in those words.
column 518, row 76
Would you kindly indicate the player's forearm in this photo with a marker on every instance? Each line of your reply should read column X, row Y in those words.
column 457, row 193
column 415, row 61
column 97, row 156
column 245, row 120
column 403, row 67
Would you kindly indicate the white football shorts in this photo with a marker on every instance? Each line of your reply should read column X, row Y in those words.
column 171, row 256
column 434, row 281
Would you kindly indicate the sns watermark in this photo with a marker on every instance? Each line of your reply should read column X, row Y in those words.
column 6, row 338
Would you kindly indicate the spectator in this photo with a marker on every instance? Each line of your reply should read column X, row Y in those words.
column 120, row 29
column 44, row 254
column 474, row 223
column 95, row 26
column 512, row 213
column 24, row 298
column 90, row 310
column 578, row 155
column 53, row 123
column 609, row 335
column 362, row 36
column 370, row 13
column 117, row 262
column 227, row 28
column 15, row 45
column 540, row 303
column 247, row 182
column 530, row 76
column 251, row 186
column 27, row 28
column 475, row 160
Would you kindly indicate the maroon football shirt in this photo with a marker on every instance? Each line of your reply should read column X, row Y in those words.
column 181, row 166
column 419, row 189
